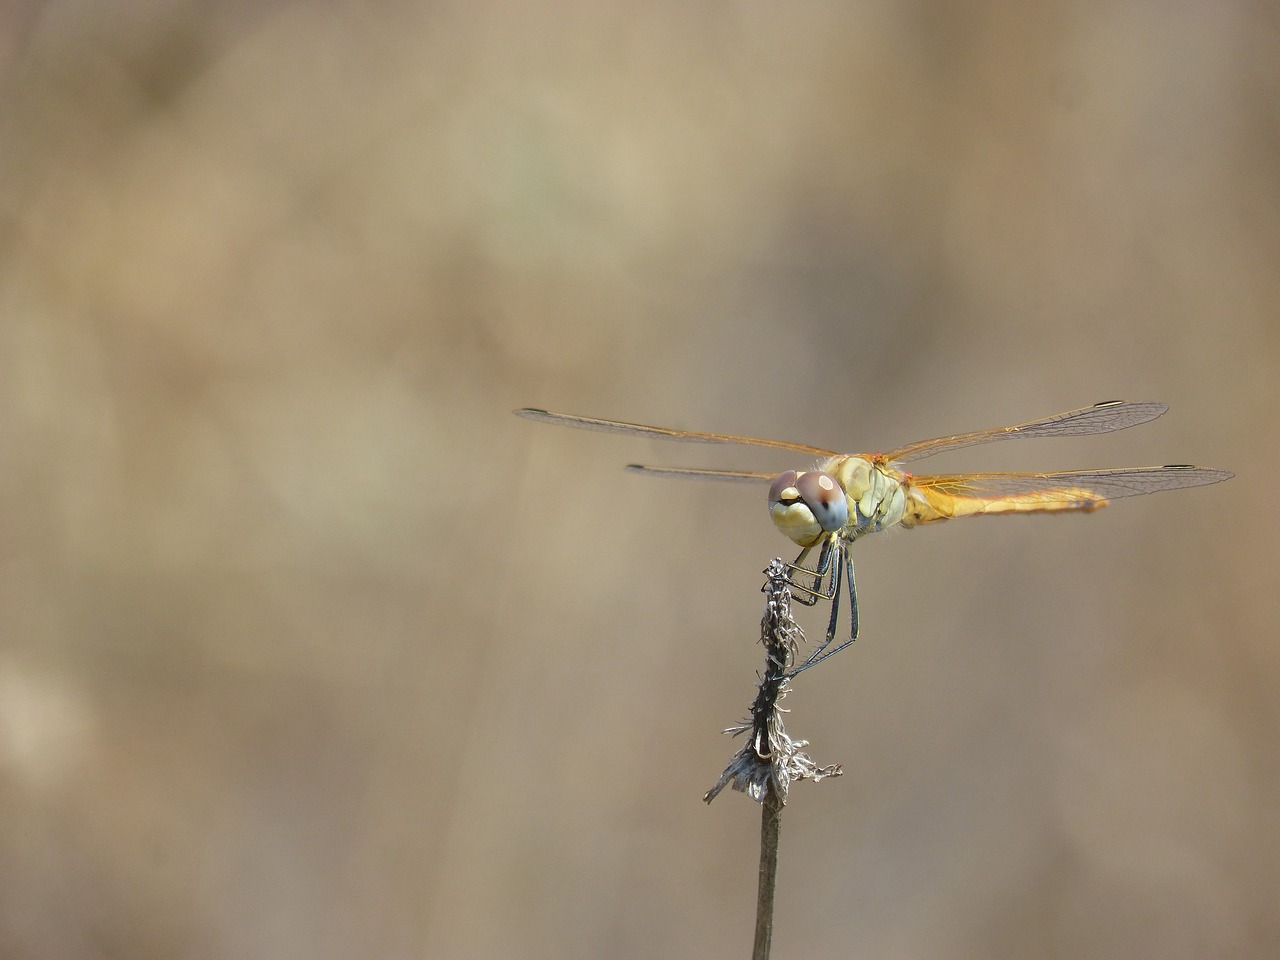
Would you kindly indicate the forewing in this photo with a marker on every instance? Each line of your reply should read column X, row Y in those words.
column 663, row 433
column 1100, row 418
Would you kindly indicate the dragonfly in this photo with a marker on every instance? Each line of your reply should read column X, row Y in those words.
column 844, row 497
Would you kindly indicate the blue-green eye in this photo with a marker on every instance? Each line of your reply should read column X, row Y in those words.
column 824, row 496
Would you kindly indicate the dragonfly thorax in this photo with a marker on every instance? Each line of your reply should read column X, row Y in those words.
column 876, row 499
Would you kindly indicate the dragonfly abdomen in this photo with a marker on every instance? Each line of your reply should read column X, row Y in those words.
column 926, row 506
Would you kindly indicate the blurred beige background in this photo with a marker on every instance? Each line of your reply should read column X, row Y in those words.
column 310, row 649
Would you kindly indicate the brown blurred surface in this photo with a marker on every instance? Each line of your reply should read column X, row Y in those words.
column 310, row 649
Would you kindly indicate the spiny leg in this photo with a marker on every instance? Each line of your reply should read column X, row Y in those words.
column 806, row 581
column 819, row 655
column 811, row 594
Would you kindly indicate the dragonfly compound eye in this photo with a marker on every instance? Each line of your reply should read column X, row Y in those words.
column 804, row 506
column 825, row 499
column 784, row 489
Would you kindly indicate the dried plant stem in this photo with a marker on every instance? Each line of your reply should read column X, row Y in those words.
column 765, row 766
column 770, row 829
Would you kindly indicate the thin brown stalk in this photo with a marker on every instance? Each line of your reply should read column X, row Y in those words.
column 770, row 830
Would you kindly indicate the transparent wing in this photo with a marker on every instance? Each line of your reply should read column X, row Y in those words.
column 1071, row 485
column 693, row 473
column 1100, row 418
column 663, row 433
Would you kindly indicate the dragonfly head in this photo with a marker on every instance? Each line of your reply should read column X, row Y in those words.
column 806, row 505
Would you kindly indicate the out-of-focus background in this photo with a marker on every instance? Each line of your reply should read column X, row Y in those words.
column 310, row 649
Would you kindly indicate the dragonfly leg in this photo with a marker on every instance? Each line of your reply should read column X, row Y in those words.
column 834, row 621
column 812, row 591
column 822, row 653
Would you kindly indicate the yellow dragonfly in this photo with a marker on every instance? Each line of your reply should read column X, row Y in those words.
column 847, row 496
